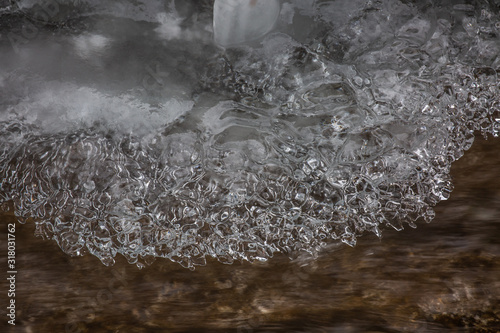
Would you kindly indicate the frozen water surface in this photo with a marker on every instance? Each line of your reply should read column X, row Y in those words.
column 125, row 129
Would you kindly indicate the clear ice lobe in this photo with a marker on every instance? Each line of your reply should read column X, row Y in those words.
column 240, row 21
column 125, row 130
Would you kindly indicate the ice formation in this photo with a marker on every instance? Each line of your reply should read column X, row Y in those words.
column 120, row 137
column 239, row 21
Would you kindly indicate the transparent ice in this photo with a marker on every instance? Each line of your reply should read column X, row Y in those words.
column 126, row 130
column 239, row 21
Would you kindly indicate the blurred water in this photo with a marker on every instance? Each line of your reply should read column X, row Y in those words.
column 441, row 277
column 126, row 130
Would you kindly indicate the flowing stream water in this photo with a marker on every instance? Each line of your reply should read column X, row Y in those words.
column 127, row 133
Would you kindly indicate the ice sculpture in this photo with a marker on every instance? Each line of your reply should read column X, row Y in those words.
column 240, row 21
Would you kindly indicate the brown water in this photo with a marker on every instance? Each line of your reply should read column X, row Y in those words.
column 441, row 277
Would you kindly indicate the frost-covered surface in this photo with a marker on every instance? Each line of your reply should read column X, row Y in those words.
column 132, row 133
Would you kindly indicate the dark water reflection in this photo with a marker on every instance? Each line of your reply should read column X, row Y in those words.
column 442, row 276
